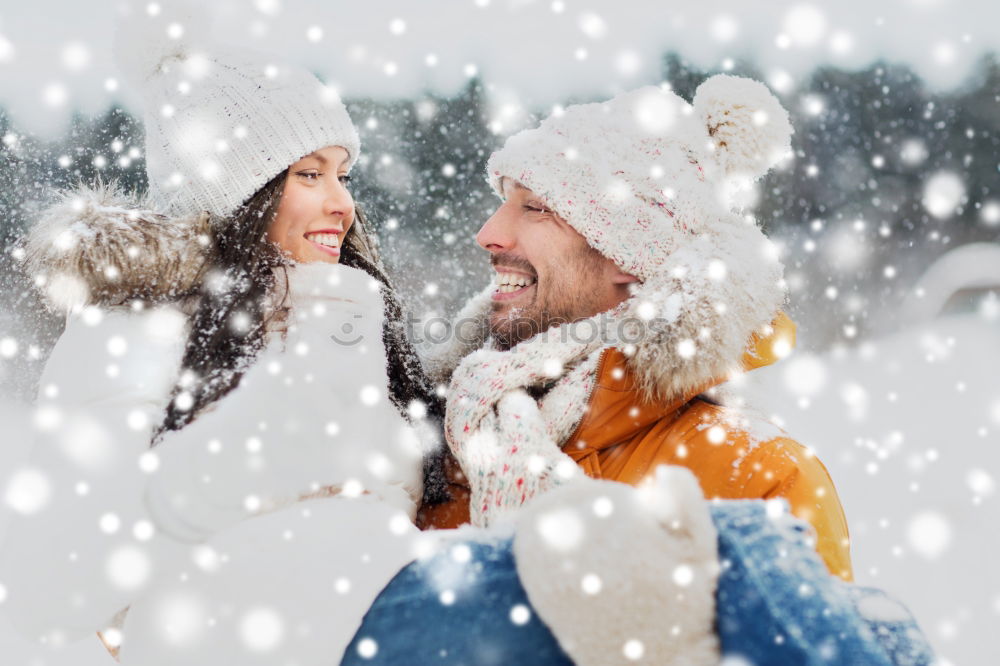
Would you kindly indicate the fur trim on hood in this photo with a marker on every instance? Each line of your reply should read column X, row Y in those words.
column 683, row 329
column 99, row 246
column 470, row 331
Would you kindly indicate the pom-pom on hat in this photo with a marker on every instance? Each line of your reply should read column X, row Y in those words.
column 645, row 173
column 220, row 123
column 749, row 129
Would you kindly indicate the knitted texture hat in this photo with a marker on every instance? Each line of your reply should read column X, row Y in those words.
column 221, row 123
column 639, row 174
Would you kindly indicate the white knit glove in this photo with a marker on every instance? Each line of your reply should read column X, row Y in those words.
column 510, row 458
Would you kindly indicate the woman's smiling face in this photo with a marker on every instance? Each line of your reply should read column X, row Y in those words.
column 316, row 209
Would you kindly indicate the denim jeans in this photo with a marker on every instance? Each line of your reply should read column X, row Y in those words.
column 776, row 604
column 449, row 610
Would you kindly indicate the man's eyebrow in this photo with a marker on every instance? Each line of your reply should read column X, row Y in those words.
column 513, row 183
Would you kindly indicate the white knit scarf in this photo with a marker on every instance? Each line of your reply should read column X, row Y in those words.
column 509, row 444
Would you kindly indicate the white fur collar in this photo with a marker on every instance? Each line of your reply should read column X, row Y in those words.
column 100, row 246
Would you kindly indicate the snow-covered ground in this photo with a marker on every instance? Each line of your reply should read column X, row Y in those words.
column 17, row 650
column 909, row 427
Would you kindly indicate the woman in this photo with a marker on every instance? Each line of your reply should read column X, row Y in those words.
column 228, row 428
column 199, row 305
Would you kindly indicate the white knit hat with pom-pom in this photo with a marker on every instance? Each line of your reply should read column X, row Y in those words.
column 642, row 173
column 220, row 123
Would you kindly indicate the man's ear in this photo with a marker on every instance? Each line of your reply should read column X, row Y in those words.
column 620, row 277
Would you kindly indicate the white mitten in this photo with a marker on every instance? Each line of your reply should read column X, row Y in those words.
column 623, row 575
column 310, row 416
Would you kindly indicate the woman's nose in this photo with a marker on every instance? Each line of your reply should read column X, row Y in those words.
column 339, row 202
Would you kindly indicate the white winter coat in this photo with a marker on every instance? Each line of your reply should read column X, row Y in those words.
column 268, row 524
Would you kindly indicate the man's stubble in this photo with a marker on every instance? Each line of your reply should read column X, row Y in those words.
column 555, row 301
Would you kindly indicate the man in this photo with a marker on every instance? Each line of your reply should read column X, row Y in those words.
column 627, row 291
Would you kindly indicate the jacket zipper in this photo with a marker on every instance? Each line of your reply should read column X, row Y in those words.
column 590, row 396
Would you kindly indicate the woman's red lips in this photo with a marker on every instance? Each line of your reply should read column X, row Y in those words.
column 330, row 249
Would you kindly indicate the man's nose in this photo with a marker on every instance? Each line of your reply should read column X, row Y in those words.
column 496, row 233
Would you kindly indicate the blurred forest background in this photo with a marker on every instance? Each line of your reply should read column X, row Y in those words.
column 888, row 176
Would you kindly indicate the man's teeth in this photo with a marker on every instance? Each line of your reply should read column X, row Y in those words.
column 511, row 282
column 330, row 240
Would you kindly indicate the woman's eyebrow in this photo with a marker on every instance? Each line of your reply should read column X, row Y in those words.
column 323, row 161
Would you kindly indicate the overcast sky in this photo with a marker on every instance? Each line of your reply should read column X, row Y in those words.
column 55, row 55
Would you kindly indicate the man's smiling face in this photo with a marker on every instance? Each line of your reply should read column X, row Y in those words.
column 546, row 272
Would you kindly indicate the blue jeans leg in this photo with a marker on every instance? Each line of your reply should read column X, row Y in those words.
column 777, row 604
column 461, row 607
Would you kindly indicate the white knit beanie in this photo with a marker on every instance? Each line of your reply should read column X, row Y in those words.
column 221, row 123
column 640, row 174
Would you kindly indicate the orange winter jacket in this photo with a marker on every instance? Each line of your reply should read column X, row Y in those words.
column 624, row 436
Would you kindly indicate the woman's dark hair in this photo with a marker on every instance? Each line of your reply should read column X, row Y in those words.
column 407, row 380
column 236, row 305
column 229, row 325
